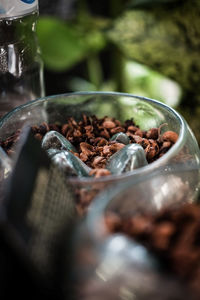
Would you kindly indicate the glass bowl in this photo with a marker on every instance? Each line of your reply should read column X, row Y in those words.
column 108, row 264
column 147, row 113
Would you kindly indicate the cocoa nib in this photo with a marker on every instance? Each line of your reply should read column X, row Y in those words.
column 100, row 172
column 91, row 136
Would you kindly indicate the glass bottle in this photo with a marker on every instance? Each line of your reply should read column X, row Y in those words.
column 21, row 67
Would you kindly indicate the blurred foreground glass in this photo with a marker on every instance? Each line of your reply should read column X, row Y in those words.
column 111, row 266
column 147, row 113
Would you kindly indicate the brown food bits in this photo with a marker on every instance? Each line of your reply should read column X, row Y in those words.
column 35, row 129
column 64, row 129
column 104, row 133
column 137, row 225
column 170, row 136
column 152, row 133
column 91, row 137
column 38, row 136
column 162, row 234
column 106, row 150
column 166, row 144
column 151, row 150
column 100, row 142
column 139, row 132
column 43, row 128
column 98, row 162
column 132, row 128
column 116, row 147
column 112, row 222
column 77, row 133
column 117, row 130
column 109, row 124
column 83, row 156
column 55, row 127
column 173, row 235
column 136, row 139
column 100, row 172
column 87, row 149
column 164, row 148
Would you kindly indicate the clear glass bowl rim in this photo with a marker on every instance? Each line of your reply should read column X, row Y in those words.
column 105, row 179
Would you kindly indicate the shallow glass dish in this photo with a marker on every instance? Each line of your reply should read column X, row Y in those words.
column 147, row 113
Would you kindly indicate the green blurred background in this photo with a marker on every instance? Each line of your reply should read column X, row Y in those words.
column 145, row 47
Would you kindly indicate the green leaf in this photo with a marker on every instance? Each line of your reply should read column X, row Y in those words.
column 63, row 44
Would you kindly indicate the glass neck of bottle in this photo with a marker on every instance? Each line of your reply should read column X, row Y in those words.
column 18, row 29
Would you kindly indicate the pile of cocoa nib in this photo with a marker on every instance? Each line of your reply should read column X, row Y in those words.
column 173, row 235
column 98, row 146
